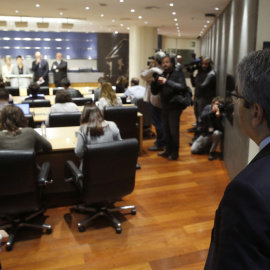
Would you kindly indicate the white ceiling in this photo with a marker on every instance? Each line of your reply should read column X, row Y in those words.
column 190, row 15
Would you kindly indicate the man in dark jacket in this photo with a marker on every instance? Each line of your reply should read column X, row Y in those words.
column 241, row 235
column 170, row 85
column 59, row 69
column 40, row 67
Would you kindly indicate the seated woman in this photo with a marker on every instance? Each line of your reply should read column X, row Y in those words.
column 33, row 89
column 14, row 133
column 108, row 97
column 121, row 84
column 94, row 129
column 63, row 103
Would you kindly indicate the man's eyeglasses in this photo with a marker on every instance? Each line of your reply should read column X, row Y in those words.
column 235, row 96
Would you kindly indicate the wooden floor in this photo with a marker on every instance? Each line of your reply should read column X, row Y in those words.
column 176, row 203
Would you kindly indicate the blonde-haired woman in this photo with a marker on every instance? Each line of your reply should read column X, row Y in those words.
column 6, row 70
column 108, row 97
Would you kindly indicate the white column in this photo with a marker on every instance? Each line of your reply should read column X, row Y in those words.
column 142, row 44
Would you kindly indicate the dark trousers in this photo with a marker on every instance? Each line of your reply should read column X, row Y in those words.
column 157, row 122
column 171, row 121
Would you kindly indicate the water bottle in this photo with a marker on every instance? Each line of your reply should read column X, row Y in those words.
column 43, row 129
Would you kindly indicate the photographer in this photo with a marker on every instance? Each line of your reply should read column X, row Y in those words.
column 154, row 100
column 212, row 119
column 205, row 87
column 170, row 85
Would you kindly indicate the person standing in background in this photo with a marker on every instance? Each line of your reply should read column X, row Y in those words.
column 20, row 68
column 40, row 67
column 59, row 69
column 6, row 70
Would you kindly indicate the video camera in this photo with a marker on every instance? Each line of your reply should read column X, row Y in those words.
column 156, row 75
column 194, row 64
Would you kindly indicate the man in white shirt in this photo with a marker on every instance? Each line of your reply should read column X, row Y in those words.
column 135, row 90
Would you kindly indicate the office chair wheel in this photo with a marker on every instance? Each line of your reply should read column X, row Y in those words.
column 133, row 212
column 118, row 230
column 81, row 229
column 49, row 231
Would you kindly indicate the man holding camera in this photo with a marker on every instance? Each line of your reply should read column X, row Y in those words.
column 170, row 85
column 154, row 100
column 212, row 119
column 205, row 87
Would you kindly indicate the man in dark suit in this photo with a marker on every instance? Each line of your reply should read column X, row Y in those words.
column 73, row 92
column 59, row 69
column 40, row 67
column 241, row 234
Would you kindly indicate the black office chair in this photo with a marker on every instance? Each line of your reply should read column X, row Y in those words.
column 108, row 174
column 81, row 101
column 43, row 90
column 124, row 99
column 67, row 119
column 30, row 120
column 125, row 118
column 96, row 94
column 14, row 91
column 56, row 89
column 37, row 103
column 144, row 109
column 20, row 191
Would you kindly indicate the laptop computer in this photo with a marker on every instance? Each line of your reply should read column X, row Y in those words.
column 24, row 107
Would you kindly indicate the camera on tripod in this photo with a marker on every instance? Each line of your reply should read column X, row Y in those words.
column 194, row 64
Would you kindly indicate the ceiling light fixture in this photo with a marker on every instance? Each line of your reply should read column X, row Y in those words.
column 61, row 13
column 171, row 4
column 216, row 8
column 132, row 10
column 174, row 13
column 37, row 5
column 175, row 20
column 87, row 8
column 102, row 15
column 140, row 17
column 16, row 11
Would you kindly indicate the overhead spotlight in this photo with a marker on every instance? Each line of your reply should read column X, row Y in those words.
column 21, row 24
column 132, row 10
column 87, row 8
column 216, row 8
column 42, row 25
column 67, row 25
column 171, row 4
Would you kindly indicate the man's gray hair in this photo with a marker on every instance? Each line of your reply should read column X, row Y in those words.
column 254, row 79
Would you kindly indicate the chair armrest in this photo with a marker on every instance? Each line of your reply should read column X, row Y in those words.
column 73, row 174
column 45, row 174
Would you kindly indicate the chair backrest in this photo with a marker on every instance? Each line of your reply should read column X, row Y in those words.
column 56, row 89
column 125, row 118
column 43, row 90
column 109, row 170
column 30, row 120
column 96, row 94
column 34, row 103
column 144, row 109
column 14, row 91
column 19, row 192
column 81, row 101
column 66, row 119
column 124, row 99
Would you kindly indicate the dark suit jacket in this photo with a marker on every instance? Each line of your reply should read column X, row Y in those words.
column 241, row 234
column 59, row 72
column 74, row 93
column 41, row 70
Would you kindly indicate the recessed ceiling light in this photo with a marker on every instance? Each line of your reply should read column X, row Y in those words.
column 87, row 8
column 177, row 27
column 116, row 32
column 132, row 10
column 16, row 11
column 61, row 13
column 121, row 1
column 140, row 17
column 208, row 21
column 171, row 4
column 146, row 22
column 121, row 24
column 175, row 20
column 205, row 25
column 102, row 15
column 216, row 8
column 37, row 5
column 177, row 24
column 128, row 28
column 174, row 13
column 113, row 20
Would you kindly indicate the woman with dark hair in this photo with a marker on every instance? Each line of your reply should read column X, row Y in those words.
column 63, row 103
column 14, row 133
column 108, row 97
column 33, row 89
column 94, row 129
column 121, row 84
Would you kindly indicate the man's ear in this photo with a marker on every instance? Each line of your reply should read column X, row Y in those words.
column 257, row 115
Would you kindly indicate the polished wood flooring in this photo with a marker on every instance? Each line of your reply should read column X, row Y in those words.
column 176, row 203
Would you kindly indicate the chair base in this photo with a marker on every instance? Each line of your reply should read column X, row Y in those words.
column 102, row 211
column 14, row 225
